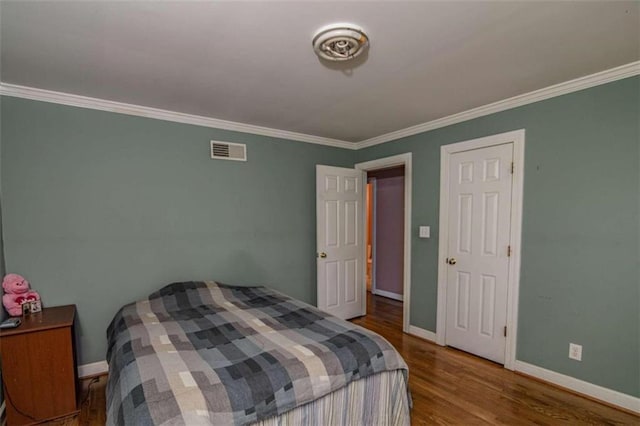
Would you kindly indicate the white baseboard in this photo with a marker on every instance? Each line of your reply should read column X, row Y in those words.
column 421, row 332
column 580, row 386
column 93, row 369
column 390, row 295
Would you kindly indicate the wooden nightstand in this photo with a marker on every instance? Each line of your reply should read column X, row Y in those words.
column 39, row 367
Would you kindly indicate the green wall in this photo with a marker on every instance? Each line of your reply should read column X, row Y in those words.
column 580, row 273
column 100, row 209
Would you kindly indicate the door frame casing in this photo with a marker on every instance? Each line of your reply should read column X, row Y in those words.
column 381, row 163
column 374, row 186
column 517, row 138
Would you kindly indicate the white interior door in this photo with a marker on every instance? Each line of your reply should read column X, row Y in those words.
column 480, row 184
column 340, row 251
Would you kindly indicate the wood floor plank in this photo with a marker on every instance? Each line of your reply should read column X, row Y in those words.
column 448, row 387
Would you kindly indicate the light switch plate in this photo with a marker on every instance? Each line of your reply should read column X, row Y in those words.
column 425, row 232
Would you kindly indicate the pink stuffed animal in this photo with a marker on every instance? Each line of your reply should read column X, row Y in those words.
column 16, row 293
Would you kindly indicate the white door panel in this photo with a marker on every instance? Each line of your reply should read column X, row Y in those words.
column 480, row 184
column 340, row 216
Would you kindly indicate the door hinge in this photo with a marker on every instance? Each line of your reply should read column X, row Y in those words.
column 508, row 251
column 505, row 331
column 513, row 165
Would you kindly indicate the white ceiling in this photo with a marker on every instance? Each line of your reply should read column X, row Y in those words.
column 252, row 62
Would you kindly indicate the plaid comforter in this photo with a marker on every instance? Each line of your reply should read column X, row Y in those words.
column 207, row 353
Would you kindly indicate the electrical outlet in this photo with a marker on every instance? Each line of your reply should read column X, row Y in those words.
column 575, row 351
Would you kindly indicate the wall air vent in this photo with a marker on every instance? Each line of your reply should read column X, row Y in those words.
column 228, row 151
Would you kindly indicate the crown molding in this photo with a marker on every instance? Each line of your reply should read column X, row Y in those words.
column 69, row 99
column 603, row 77
column 581, row 83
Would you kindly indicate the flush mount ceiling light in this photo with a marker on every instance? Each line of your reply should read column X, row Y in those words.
column 340, row 42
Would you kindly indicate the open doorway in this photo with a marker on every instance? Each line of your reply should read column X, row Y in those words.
column 385, row 244
column 387, row 234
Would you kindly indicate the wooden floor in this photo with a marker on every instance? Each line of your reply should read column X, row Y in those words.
column 447, row 386
column 452, row 387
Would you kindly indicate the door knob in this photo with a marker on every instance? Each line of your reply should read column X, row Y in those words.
column 322, row 255
column 451, row 261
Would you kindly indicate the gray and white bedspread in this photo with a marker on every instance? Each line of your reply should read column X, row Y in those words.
column 208, row 353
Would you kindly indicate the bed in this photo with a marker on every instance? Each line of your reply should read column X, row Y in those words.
column 205, row 353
